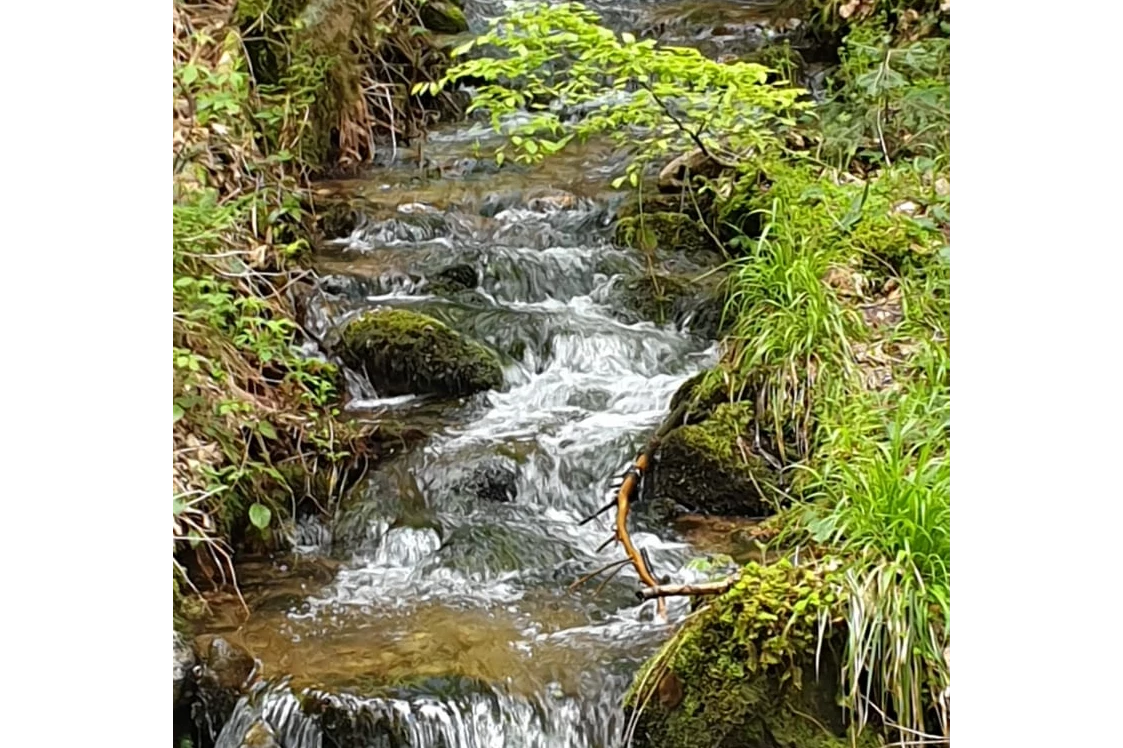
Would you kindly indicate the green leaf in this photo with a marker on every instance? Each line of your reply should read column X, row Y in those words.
column 189, row 74
column 628, row 38
column 260, row 516
column 178, row 506
column 499, row 158
column 177, row 412
column 463, row 48
column 418, row 87
column 266, row 429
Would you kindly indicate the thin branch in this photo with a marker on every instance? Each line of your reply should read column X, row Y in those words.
column 623, row 500
column 682, row 126
column 660, row 591
column 614, row 565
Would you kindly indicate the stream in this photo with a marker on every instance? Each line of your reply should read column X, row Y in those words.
column 435, row 608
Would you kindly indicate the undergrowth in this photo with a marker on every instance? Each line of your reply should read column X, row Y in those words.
column 266, row 93
column 838, row 314
column 841, row 330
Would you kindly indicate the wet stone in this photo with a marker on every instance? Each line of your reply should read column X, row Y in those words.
column 495, row 480
column 183, row 659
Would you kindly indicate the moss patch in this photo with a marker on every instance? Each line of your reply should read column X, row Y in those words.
column 672, row 298
column 664, row 230
column 702, row 466
column 404, row 352
column 742, row 673
column 444, row 17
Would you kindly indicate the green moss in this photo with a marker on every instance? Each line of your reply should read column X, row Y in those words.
column 666, row 230
column 404, row 352
column 703, row 467
column 655, row 297
column 674, row 298
column 443, row 17
column 743, row 671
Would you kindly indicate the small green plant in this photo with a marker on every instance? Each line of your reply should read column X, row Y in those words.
column 891, row 98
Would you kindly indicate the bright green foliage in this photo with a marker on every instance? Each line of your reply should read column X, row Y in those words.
column 863, row 403
column 577, row 79
column 875, row 476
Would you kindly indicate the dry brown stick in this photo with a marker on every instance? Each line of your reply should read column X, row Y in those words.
column 606, row 580
column 597, row 513
column 605, row 544
column 671, row 590
column 623, row 501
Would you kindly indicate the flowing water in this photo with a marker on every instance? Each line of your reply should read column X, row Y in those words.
column 435, row 609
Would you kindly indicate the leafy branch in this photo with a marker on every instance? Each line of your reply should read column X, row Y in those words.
column 550, row 75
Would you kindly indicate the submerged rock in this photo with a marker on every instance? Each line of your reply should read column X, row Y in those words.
column 444, row 17
column 453, row 279
column 710, row 467
column 750, row 671
column 183, row 659
column 493, row 480
column 260, row 735
column 221, row 677
column 403, row 352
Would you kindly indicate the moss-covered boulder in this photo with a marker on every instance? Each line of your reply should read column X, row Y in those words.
column 667, row 230
column 749, row 671
column 667, row 297
column 444, row 17
column 710, row 467
column 403, row 352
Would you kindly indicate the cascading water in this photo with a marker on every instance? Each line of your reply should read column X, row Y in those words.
column 447, row 620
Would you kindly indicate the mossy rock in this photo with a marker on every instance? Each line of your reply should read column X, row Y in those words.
column 701, row 467
column 453, row 280
column 403, row 352
column 742, row 673
column 444, row 17
column 665, row 297
column 665, row 230
column 656, row 297
column 702, row 394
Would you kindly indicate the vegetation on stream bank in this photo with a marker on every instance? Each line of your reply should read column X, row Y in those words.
column 267, row 93
column 836, row 326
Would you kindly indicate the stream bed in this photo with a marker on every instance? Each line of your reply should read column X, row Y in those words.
column 435, row 608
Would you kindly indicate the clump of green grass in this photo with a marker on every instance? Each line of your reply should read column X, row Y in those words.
column 874, row 482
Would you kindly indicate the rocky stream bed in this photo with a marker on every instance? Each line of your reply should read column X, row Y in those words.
column 494, row 311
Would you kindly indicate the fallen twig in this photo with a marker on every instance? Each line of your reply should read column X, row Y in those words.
column 672, row 590
column 623, row 499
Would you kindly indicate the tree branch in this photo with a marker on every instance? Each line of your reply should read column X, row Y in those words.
column 623, row 501
column 673, row 590
column 682, row 126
